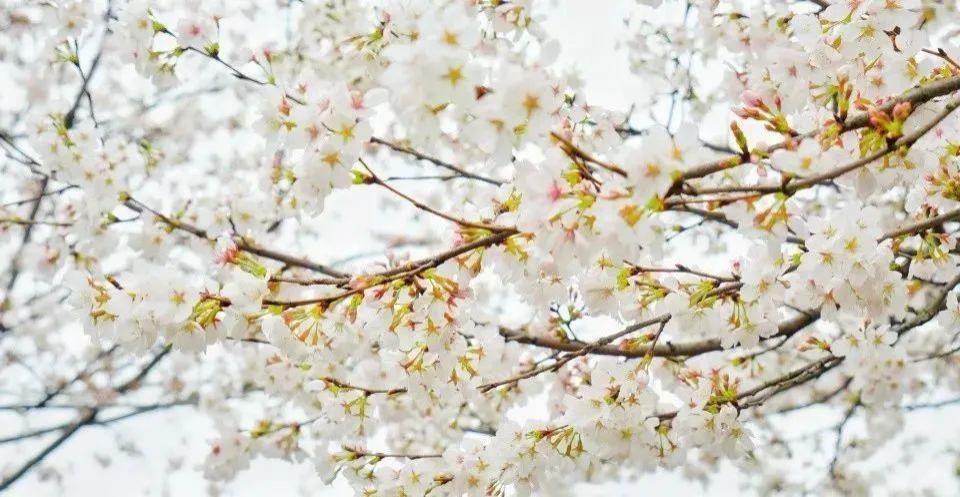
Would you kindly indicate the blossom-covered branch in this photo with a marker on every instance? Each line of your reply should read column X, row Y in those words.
column 401, row 240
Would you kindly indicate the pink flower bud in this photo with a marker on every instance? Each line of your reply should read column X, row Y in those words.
column 878, row 117
column 226, row 251
column 356, row 100
column 902, row 110
column 751, row 99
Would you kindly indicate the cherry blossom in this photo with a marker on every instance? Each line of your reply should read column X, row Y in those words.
column 404, row 243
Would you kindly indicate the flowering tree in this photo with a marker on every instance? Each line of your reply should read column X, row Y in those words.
column 368, row 234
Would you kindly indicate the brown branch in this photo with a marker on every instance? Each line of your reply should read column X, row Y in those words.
column 242, row 244
column 406, row 271
column 382, row 455
column 84, row 420
column 366, row 390
column 573, row 151
column 761, row 393
column 815, row 401
column 933, row 405
column 919, row 226
column 70, row 116
column 38, row 222
column 35, row 198
column 837, row 446
column 680, row 268
column 426, row 208
column 135, row 410
column 77, row 377
column 904, row 141
column 758, row 395
column 941, row 53
column 579, row 352
column 827, row 176
column 437, row 259
column 915, row 97
column 433, row 160
column 89, row 417
column 24, row 241
column 786, row 328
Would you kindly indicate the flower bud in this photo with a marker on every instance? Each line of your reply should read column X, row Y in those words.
column 902, row 110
